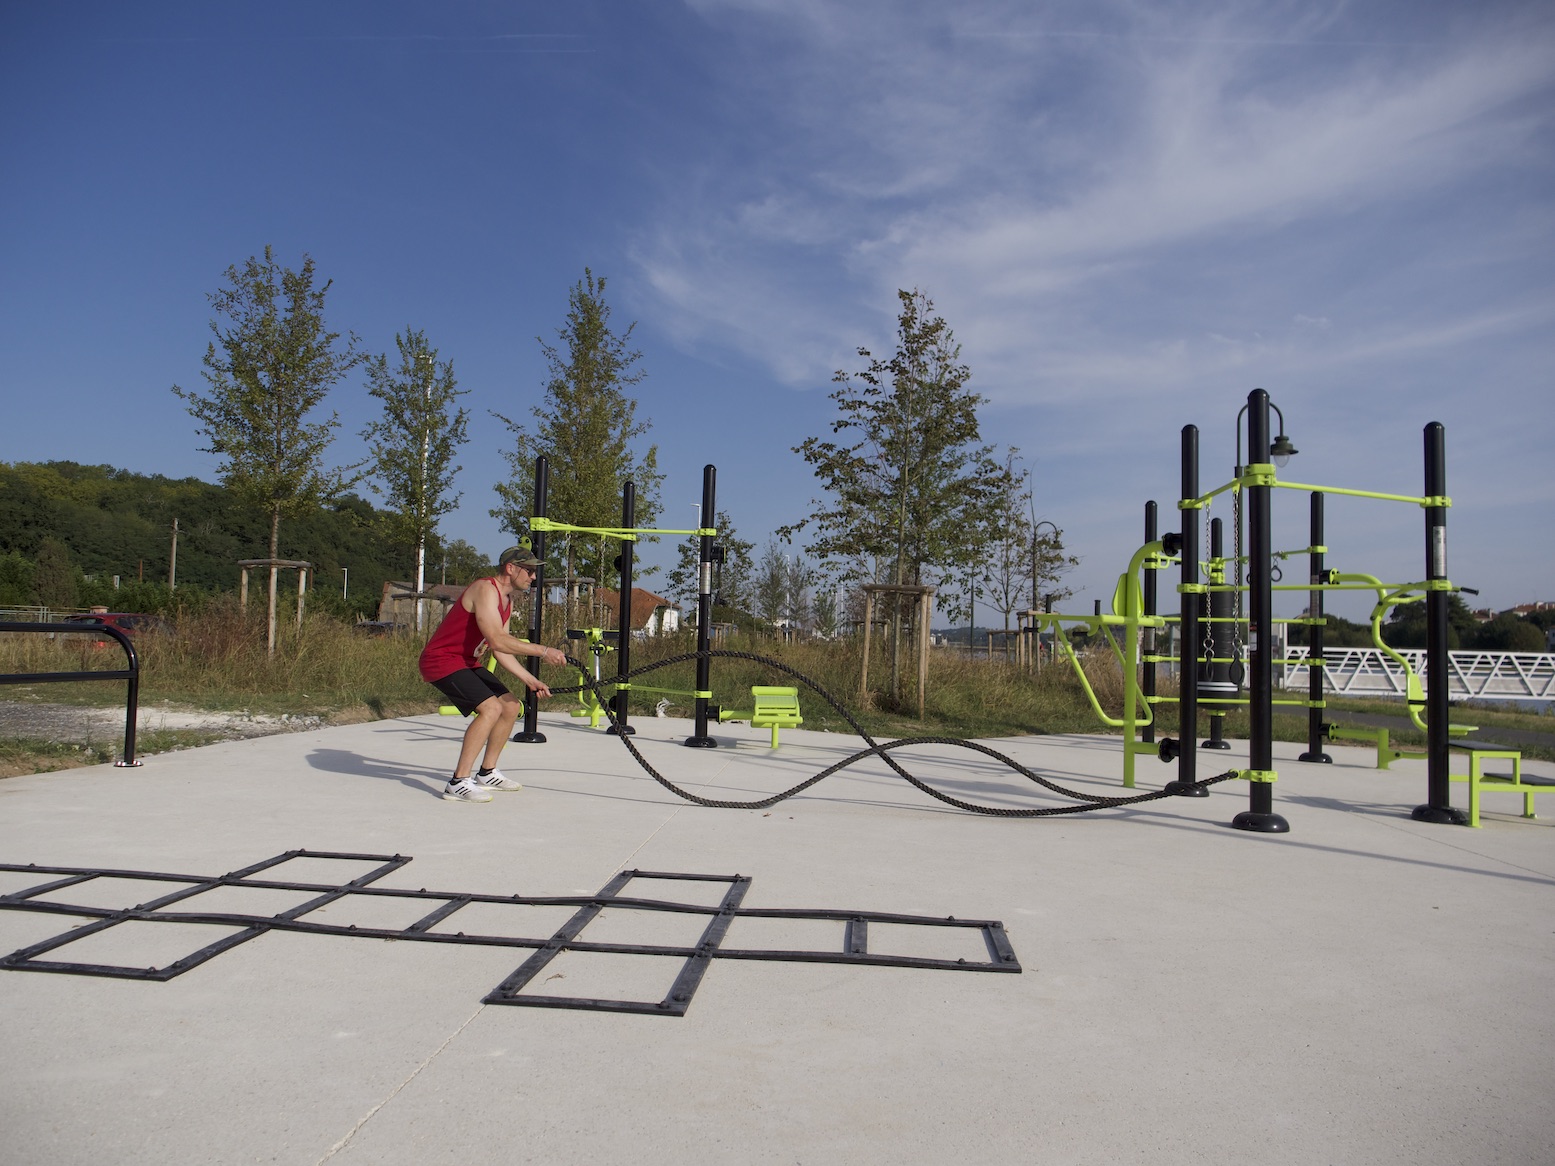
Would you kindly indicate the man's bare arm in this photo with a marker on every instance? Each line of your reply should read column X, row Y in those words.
column 488, row 617
column 530, row 681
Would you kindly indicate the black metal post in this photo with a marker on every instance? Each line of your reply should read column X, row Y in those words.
column 1147, row 684
column 130, row 673
column 530, row 734
column 700, row 738
column 1259, row 815
column 1215, row 677
column 622, row 727
column 1188, row 627
column 1438, row 805
column 1315, row 664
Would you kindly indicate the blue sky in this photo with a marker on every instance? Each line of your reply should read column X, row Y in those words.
column 1130, row 213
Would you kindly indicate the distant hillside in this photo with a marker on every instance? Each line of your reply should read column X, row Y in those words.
column 116, row 522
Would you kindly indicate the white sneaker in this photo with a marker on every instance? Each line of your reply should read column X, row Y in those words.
column 498, row 780
column 465, row 789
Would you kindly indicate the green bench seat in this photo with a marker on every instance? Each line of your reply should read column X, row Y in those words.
column 775, row 708
column 1481, row 783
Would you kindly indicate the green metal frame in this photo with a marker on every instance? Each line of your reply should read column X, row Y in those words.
column 1128, row 613
column 623, row 533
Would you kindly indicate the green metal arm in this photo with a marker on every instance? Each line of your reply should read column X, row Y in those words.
column 624, row 533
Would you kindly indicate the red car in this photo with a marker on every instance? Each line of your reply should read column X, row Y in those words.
column 132, row 623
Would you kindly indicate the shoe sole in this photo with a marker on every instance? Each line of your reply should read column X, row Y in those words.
column 464, row 798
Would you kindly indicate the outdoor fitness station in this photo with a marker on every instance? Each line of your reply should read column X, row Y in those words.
column 1211, row 630
column 774, row 706
column 1218, row 646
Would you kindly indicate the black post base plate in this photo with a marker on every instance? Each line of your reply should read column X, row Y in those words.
column 700, row 743
column 1260, row 823
column 1186, row 789
column 1212, row 744
column 535, row 738
column 1441, row 815
column 622, row 730
column 1319, row 758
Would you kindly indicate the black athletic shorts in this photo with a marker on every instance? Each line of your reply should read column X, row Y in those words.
column 470, row 687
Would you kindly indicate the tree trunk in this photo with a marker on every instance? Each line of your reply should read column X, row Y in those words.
column 421, row 582
column 275, row 541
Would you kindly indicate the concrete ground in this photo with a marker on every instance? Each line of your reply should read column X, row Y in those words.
column 1365, row 989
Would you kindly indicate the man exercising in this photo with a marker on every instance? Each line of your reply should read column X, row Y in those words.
column 451, row 663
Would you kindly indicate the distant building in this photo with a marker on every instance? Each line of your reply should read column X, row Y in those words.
column 652, row 615
column 396, row 607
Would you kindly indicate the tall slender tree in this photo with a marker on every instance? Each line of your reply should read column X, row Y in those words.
column 270, row 367
column 770, row 593
column 413, row 444
column 587, row 426
column 733, row 577
column 911, row 486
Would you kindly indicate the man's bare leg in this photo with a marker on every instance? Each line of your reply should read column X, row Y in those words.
column 507, row 716
column 488, row 719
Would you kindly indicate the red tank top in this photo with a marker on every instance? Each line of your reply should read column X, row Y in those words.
column 457, row 640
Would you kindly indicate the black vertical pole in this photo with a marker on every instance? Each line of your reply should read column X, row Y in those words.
column 700, row 738
column 530, row 734
column 1438, row 806
column 1315, row 663
column 1188, row 626
column 1216, row 676
column 1259, row 815
column 1147, row 681
column 131, row 702
column 624, row 613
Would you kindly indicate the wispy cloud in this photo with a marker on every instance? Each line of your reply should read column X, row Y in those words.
column 1044, row 184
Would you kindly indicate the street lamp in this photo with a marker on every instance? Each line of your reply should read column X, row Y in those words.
column 1036, row 541
column 1281, row 449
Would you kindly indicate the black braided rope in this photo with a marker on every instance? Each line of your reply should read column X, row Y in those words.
column 875, row 749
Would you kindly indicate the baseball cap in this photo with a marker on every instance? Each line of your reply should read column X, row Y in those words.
column 522, row 554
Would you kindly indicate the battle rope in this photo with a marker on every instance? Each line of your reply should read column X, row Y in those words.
column 875, row 749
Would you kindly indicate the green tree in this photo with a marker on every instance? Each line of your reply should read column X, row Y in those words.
column 587, row 426
column 732, row 579
column 1405, row 626
column 270, row 367
column 413, row 444
column 17, row 579
column 770, row 593
column 827, row 609
column 56, row 580
column 1508, row 632
column 1007, row 560
column 462, row 563
column 913, row 490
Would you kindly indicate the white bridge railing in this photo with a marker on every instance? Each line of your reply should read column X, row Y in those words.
column 1471, row 675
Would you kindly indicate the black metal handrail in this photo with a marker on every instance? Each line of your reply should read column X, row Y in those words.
column 130, row 673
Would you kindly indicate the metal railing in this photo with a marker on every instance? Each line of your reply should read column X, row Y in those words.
column 1471, row 675
column 130, row 673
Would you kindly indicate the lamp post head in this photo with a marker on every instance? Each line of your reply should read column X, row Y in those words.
column 1282, row 450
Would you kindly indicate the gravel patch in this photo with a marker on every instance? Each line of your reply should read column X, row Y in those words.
column 74, row 724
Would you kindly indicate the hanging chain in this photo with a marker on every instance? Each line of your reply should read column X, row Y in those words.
column 1236, row 626
column 1208, row 607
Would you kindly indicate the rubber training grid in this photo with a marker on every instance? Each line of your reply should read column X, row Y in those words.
column 853, row 948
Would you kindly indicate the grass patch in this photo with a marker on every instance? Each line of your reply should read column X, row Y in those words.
column 22, row 755
column 216, row 660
